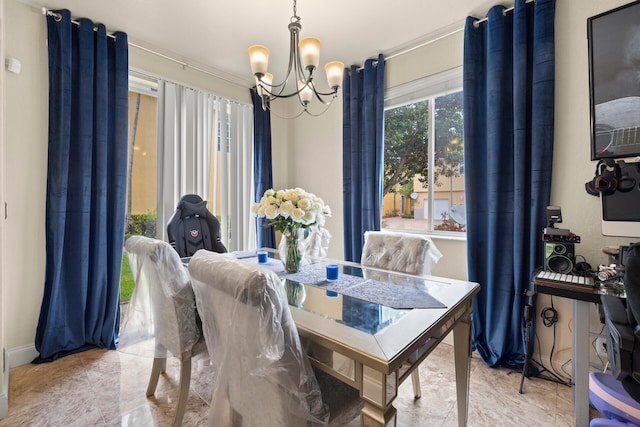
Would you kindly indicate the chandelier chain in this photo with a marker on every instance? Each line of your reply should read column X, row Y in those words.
column 295, row 17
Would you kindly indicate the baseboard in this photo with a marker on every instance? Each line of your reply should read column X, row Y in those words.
column 21, row 355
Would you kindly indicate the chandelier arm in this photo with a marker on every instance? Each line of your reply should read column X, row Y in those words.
column 319, row 98
column 320, row 113
column 333, row 93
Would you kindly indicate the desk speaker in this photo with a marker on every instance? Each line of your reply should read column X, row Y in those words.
column 559, row 257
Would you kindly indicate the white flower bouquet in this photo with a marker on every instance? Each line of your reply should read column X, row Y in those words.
column 290, row 211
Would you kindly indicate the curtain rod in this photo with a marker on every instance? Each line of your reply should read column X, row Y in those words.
column 450, row 33
column 58, row 17
column 504, row 13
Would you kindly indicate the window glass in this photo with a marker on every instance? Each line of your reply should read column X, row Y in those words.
column 141, row 170
column 424, row 157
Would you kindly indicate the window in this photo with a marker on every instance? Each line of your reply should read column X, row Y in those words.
column 424, row 156
column 142, row 159
column 141, row 170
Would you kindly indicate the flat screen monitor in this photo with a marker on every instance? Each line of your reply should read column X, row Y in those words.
column 621, row 209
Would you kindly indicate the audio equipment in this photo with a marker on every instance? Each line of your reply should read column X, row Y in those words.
column 609, row 178
column 560, row 238
column 562, row 279
column 559, row 257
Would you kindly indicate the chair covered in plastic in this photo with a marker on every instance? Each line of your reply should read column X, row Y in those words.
column 401, row 252
column 263, row 376
column 192, row 227
column 162, row 307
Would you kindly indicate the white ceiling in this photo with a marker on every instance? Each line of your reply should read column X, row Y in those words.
column 215, row 34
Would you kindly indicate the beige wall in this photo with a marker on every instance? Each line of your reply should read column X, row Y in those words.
column 307, row 153
column 24, row 172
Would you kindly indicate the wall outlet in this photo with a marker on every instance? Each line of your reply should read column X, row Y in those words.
column 601, row 346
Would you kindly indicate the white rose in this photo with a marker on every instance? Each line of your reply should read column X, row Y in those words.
column 270, row 193
column 271, row 212
column 286, row 208
column 270, row 200
column 309, row 217
column 297, row 214
column 304, row 203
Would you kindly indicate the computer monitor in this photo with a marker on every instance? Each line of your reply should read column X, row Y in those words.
column 621, row 209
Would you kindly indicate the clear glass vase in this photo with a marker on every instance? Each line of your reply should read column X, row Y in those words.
column 292, row 250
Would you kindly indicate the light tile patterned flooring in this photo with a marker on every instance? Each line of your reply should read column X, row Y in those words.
column 107, row 388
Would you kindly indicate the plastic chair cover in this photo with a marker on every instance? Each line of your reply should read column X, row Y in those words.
column 162, row 304
column 262, row 372
column 403, row 252
column 317, row 242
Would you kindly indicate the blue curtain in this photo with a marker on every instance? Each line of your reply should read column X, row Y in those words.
column 86, row 187
column 508, row 127
column 262, row 166
column 362, row 153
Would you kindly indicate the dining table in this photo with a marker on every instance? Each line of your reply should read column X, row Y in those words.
column 371, row 328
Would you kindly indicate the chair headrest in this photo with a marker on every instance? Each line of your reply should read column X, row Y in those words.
column 190, row 209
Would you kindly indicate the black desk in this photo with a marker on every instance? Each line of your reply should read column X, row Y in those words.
column 582, row 296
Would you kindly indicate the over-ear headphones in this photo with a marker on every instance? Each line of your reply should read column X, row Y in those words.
column 608, row 179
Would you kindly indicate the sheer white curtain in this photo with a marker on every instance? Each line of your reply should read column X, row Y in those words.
column 234, row 178
column 205, row 147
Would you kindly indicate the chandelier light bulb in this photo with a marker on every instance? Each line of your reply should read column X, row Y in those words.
column 310, row 52
column 335, row 72
column 259, row 59
column 306, row 92
column 264, row 84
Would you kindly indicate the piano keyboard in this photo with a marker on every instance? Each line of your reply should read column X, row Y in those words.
column 565, row 278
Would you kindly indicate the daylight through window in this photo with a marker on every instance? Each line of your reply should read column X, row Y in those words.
column 424, row 156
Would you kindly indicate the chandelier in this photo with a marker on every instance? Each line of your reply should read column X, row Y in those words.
column 304, row 57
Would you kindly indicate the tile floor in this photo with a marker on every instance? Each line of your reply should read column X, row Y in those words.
column 107, row 388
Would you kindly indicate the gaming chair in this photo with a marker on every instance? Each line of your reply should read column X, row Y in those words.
column 617, row 396
column 193, row 227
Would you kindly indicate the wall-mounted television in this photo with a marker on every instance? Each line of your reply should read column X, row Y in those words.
column 614, row 56
column 621, row 208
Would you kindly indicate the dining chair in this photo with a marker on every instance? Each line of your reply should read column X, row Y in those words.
column 401, row 252
column 162, row 307
column 262, row 374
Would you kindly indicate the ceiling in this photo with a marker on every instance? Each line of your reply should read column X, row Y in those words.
column 214, row 35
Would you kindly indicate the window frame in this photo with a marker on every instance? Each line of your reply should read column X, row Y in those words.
column 428, row 88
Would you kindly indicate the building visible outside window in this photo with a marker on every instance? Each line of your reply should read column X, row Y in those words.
column 142, row 179
column 424, row 156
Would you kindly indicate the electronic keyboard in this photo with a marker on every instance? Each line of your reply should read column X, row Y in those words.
column 566, row 279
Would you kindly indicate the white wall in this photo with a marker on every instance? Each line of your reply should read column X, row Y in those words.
column 307, row 153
